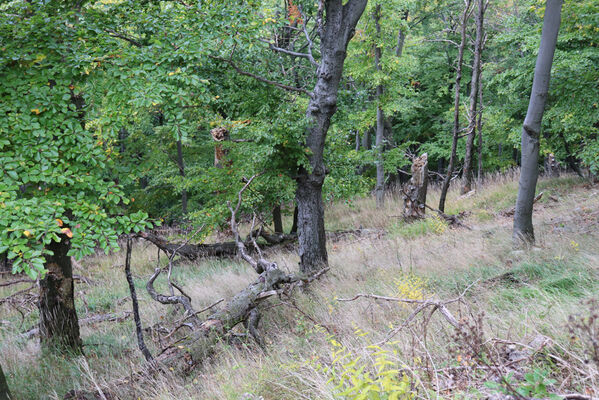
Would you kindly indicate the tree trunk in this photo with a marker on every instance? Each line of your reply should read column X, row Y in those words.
column 401, row 36
column 570, row 159
column 59, row 326
column 219, row 135
column 523, row 229
column 414, row 193
column 135, row 305
column 181, row 166
column 479, row 128
column 474, row 87
column 366, row 142
column 4, row 392
column 277, row 219
column 456, row 106
column 338, row 29
column 551, row 166
column 293, row 230
column 380, row 116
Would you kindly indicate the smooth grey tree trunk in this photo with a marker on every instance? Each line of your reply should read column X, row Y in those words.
column 338, row 28
column 523, row 229
column 474, row 88
column 59, row 325
column 456, row 105
column 4, row 392
column 380, row 116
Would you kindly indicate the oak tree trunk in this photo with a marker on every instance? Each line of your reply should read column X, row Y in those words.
column 474, row 87
column 523, row 229
column 456, row 106
column 338, row 29
column 293, row 230
column 277, row 219
column 59, row 326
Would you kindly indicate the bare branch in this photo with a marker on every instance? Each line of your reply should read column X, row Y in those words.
column 124, row 37
column 260, row 78
column 437, row 305
column 183, row 300
column 293, row 53
column 138, row 328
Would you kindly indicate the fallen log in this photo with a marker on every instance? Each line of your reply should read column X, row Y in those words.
column 183, row 355
column 194, row 252
column 205, row 250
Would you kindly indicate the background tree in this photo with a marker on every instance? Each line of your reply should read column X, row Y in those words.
column 523, row 228
column 475, row 87
column 456, row 103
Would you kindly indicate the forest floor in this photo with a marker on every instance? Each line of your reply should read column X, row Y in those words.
column 522, row 311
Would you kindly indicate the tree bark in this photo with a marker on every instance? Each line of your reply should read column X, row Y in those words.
column 456, row 106
column 335, row 34
column 380, row 116
column 523, row 228
column 135, row 306
column 59, row 325
column 366, row 143
column 4, row 392
column 293, row 230
column 219, row 135
column 479, row 128
column 277, row 219
column 414, row 192
column 474, row 88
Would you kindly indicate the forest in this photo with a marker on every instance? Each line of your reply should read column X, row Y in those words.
column 299, row 199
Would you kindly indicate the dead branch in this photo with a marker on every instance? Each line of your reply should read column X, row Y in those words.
column 511, row 211
column 173, row 299
column 138, row 328
column 16, row 281
column 94, row 319
column 261, row 264
column 452, row 220
column 441, row 306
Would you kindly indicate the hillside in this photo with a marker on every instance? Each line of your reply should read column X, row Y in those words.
column 520, row 311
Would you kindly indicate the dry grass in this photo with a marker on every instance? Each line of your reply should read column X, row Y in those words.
column 545, row 286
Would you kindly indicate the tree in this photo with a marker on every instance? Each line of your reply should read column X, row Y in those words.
column 4, row 392
column 55, row 201
column 456, row 104
column 475, row 87
column 380, row 116
column 523, row 229
column 336, row 32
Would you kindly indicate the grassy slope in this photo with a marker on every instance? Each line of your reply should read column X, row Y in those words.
column 544, row 287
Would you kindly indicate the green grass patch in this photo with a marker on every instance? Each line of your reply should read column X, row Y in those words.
column 408, row 230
